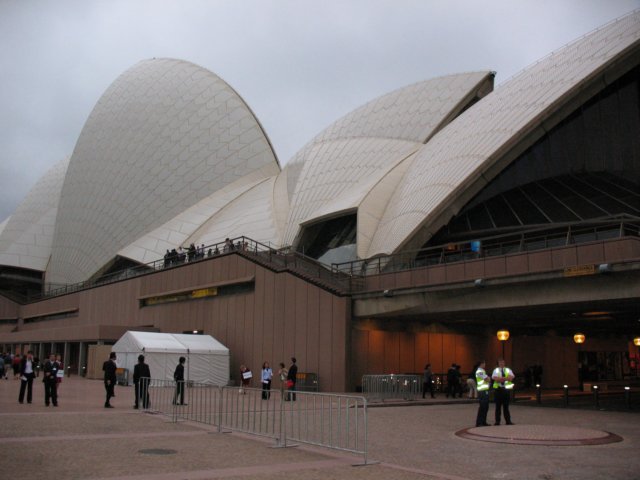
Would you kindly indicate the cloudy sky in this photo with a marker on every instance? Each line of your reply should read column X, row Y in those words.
column 299, row 64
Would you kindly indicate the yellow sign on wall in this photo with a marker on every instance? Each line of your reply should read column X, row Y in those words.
column 204, row 292
column 579, row 270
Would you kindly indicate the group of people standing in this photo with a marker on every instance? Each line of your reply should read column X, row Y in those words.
column 286, row 376
column 501, row 382
column 193, row 252
column 480, row 384
column 27, row 370
column 141, row 379
column 454, row 382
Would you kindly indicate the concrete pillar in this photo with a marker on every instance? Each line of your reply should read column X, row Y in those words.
column 66, row 360
column 82, row 359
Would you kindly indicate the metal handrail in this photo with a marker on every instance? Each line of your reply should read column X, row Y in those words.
column 284, row 257
column 497, row 245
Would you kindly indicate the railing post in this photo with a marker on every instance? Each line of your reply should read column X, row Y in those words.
column 220, row 402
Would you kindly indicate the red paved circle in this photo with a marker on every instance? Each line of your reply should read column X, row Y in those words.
column 539, row 435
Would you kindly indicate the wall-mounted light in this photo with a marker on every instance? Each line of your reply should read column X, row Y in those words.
column 636, row 341
column 503, row 335
column 579, row 338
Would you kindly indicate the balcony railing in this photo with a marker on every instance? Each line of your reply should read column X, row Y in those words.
column 344, row 278
column 499, row 245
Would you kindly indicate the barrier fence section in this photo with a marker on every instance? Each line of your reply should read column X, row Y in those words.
column 385, row 387
column 326, row 419
column 334, row 421
column 201, row 404
column 249, row 410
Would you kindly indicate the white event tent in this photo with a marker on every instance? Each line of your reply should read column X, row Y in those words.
column 207, row 359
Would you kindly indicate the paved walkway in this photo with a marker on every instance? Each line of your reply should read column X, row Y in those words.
column 81, row 439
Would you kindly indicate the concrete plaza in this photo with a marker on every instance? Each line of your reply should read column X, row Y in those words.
column 81, row 439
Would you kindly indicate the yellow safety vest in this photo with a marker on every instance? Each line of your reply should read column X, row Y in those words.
column 507, row 384
column 481, row 380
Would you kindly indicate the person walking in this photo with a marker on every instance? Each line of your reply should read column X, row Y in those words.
column 291, row 380
column 427, row 381
column 482, row 384
column 49, row 379
column 27, row 374
column 109, row 368
column 178, row 377
column 267, row 375
column 502, row 385
column 141, row 378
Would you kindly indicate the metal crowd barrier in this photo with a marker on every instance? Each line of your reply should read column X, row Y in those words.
column 245, row 410
column 385, row 387
column 334, row 421
column 327, row 420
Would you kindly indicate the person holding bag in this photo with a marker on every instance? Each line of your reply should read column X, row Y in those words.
column 291, row 380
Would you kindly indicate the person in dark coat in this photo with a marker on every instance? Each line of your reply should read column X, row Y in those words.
column 427, row 381
column 109, row 368
column 291, row 380
column 178, row 376
column 50, row 373
column 141, row 378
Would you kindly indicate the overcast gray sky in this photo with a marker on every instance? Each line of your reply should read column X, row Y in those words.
column 299, row 64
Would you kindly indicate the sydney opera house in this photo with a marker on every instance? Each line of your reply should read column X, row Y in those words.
column 408, row 232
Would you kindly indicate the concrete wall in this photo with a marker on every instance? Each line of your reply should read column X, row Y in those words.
column 283, row 316
column 408, row 349
column 377, row 350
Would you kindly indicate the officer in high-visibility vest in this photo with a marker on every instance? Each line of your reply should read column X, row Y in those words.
column 482, row 381
column 502, row 386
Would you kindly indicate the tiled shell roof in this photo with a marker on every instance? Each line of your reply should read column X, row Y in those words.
column 165, row 135
column 27, row 236
column 464, row 156
column 367, row 143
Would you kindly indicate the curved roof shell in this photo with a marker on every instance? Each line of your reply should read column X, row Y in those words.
column 27, row 237
column 164, row 136
column 243, row 208
column 336, row 170
column 470, row 151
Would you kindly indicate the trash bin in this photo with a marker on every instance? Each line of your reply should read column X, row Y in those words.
column 122, row 376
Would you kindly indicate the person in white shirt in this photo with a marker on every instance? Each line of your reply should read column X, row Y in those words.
column 267, row 375
column 27, row 374
column 502, row 385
